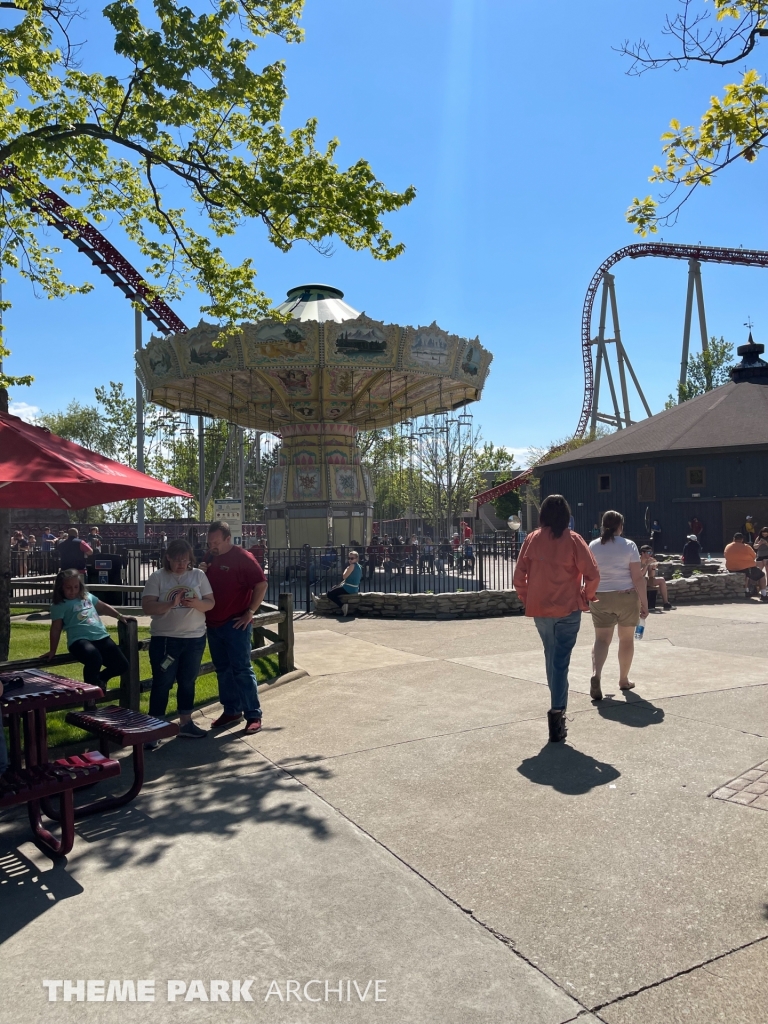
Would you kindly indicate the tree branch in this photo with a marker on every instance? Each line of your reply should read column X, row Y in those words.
column 695, row 44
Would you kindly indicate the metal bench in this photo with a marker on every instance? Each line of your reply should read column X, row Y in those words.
column 37, row 785
column 124, row 728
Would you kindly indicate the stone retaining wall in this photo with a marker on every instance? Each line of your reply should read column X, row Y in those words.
column 724, row 586
column 466, row 605
column 667, row 569
column 484, row 603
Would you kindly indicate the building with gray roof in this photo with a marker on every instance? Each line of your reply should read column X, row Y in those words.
column 706, row 458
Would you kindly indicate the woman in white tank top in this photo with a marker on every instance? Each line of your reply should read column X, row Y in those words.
column 621, row 600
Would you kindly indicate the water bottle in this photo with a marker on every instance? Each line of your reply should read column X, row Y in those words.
column 639, row 630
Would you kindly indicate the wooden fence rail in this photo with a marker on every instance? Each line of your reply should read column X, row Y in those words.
column 129, row 691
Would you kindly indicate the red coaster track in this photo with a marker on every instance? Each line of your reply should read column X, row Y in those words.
column 667, row 250
column 102, row 255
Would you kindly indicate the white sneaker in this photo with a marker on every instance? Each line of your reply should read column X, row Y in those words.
column 345, row 609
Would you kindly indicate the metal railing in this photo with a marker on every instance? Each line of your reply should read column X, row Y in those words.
column 410, row 569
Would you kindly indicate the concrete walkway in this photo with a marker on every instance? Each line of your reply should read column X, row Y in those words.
column 401, row 818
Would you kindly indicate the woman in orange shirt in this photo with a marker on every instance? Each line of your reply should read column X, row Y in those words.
column 556, row 577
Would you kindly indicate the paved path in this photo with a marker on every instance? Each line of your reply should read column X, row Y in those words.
column 402, row 818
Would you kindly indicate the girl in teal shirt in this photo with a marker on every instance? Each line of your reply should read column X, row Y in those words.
column 75, row 611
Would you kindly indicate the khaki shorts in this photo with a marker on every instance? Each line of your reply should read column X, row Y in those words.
column 615, row 608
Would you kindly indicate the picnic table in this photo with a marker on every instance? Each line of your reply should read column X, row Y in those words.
column 31, row 778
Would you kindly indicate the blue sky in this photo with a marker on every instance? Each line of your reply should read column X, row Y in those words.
column 526, row 141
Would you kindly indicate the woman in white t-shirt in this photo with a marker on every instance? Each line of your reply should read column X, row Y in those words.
column 177, row 597
column 621, row 600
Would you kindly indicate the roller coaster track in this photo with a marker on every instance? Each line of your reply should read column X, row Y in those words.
column 102, row 254
column 666, row 250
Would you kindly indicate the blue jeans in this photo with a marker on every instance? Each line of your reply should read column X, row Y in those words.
column 231, row 655
column 185, row 654
column 558, row 637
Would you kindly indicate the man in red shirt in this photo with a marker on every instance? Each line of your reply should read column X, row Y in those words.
column 239, row 586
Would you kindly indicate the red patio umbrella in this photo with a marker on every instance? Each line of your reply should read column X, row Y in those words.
column 40, row 470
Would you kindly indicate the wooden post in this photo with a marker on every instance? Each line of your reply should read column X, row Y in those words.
column 257, row 638
column 130, row 681
column 285, row 632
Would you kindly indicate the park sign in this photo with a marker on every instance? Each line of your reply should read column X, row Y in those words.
column 230, row 510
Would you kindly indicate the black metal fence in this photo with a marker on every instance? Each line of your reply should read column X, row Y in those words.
column 487, row 564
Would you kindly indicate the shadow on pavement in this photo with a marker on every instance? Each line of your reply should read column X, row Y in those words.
column 567, row 770
column 195, row 799
column 630, row 709
column 26, row 892
column 219, row 806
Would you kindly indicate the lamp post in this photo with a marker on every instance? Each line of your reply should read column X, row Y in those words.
column 139, row 429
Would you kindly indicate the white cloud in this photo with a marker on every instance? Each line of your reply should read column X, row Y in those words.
column 522, row 456
column 24, row 411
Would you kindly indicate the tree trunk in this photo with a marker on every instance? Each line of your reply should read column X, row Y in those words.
column 5, row 564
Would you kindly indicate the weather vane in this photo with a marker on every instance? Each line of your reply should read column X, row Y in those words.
column 748, row 323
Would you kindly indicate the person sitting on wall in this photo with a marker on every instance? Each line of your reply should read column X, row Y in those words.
column 350, row 583
column 761, row 560
column 692, row 550
column 740, row 557
column 650, row 566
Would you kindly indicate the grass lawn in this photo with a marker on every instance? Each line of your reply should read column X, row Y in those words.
column 27, row 609
column 29, row 639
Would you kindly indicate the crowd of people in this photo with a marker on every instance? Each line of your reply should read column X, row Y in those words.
column 214, row 601
column 394, row 554
column 559, row 576
column 63, row 545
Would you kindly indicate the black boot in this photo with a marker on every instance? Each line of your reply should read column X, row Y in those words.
column 557, row 729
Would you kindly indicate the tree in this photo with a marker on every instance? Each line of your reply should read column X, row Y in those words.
column 432, row 472
column 494, row 458
column 734, row 127
column 177, row 116
column 706, row 371
column 170, row 453
column 537, row 456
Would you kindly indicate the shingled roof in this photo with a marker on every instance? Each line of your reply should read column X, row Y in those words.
column 734, row 416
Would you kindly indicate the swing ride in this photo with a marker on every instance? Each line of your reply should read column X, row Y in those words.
column 316, row 381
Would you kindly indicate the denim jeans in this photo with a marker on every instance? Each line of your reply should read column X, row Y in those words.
column 186, row 653
column 558, row 637
column 231, row 654
column 3, row 749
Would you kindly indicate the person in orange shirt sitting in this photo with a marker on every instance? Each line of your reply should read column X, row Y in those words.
column 740, row 557
column 556, row 577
